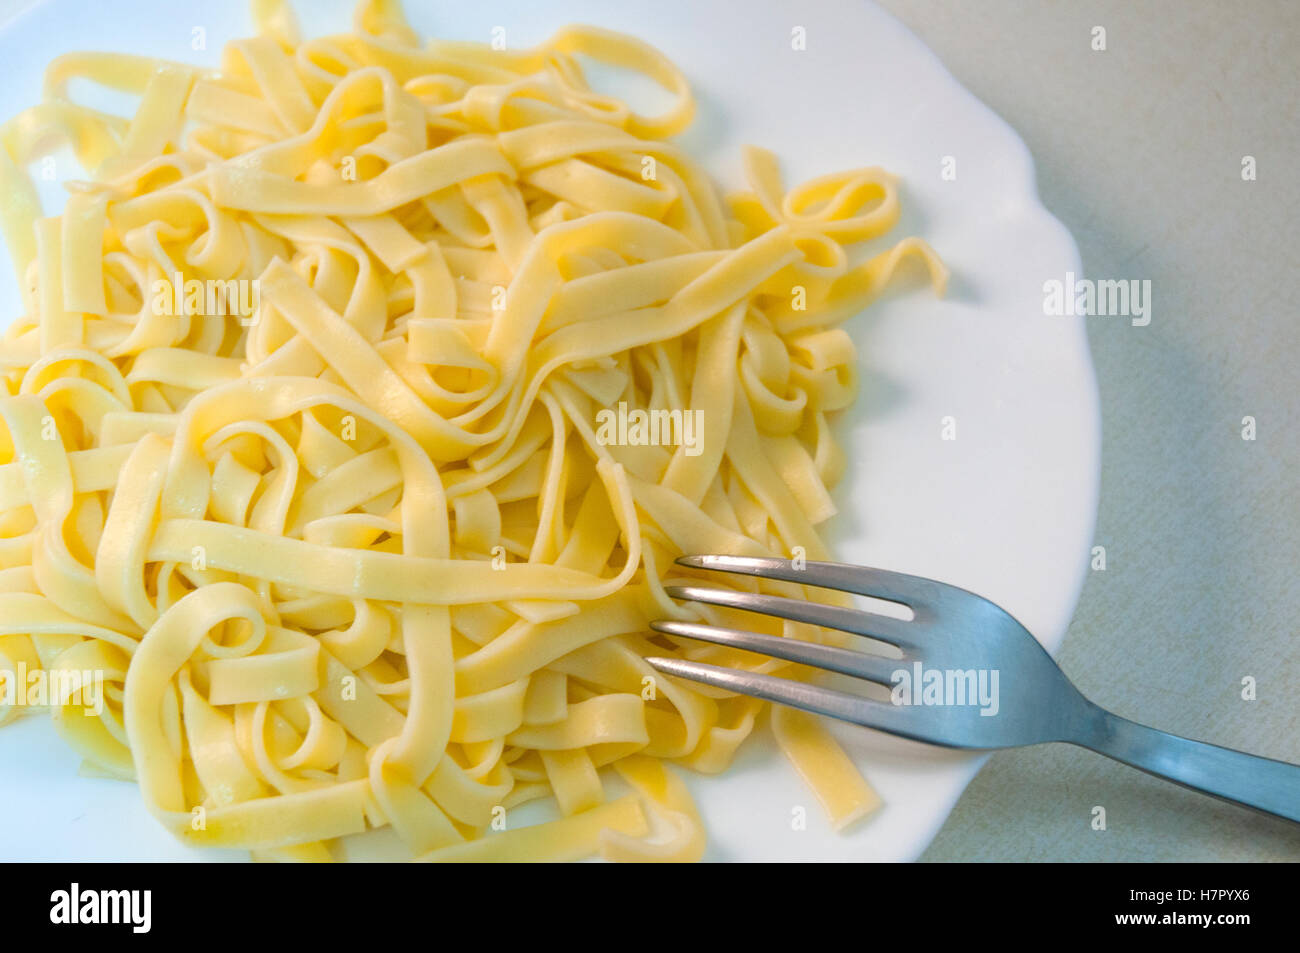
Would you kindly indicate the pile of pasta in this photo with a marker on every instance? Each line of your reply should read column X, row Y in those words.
column 355, row 557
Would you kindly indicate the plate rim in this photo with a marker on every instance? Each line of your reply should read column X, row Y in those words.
column 1082, row 350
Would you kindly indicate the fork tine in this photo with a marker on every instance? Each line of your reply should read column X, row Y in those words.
column 886, row 629
column 874, row 668
column 912, row 591
column 813, row 698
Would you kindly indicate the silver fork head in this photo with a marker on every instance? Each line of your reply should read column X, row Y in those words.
column 971, row 676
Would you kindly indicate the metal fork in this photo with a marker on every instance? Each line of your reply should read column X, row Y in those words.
column 964, row 638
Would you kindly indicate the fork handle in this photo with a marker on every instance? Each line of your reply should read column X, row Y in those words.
column 1262, row 783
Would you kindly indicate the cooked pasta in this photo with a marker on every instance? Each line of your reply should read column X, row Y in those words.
column 327, row 438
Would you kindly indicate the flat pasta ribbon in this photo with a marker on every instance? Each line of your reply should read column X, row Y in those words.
column 363, row 394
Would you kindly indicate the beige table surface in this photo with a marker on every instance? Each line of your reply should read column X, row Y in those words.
column 1139, row 152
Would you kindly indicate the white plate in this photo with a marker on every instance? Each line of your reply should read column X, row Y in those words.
column 1007, row 509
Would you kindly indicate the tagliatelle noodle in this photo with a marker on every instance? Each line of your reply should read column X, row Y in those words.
column 302, row 446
